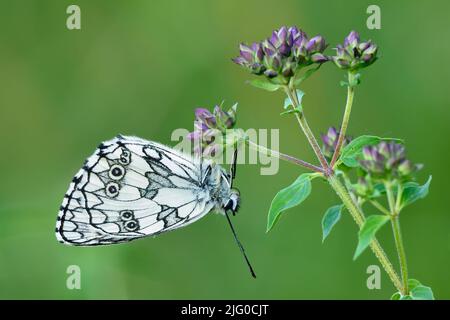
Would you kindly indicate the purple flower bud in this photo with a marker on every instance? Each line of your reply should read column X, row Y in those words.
column 257, row 51
column 342, row 63
column 209, row 129
column 202, row 113
column 268, row 48
column 354, row 55
column 352, row 39
column 276, row 62
column 319, row 58
column 285, row 49
column 316, row 44
column 364, row 46
column 274, row 39
column 370, row 49
column 332, row 133
column 240, row 61
column 282, row 54
column 329, row 142
column 387, row 160
column 246, row 52
column 205, row 117
column 295, row 34
column 225, row 119
column 283, row 33
column 251, row 57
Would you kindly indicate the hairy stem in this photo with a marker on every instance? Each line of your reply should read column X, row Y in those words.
column 358, row 216
column 283, row 156
column 345, row 119
column 292, row 94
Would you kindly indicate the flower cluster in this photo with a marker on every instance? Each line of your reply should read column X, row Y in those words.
column 354, row 54
column 387, row 160
column 282, row 54
column 329, row 142
column 208, row 127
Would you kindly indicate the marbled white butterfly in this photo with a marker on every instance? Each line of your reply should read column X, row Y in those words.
column 131, row 188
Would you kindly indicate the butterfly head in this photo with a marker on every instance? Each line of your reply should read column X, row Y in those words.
column 233, row 202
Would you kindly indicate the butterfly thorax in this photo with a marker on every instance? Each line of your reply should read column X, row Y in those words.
column 217, row 182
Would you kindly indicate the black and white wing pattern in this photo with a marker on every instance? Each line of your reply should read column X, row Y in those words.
column 131, row 188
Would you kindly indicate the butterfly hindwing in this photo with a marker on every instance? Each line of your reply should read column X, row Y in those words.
column 131, row 188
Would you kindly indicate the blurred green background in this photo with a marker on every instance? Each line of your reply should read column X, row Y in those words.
column 141, row 67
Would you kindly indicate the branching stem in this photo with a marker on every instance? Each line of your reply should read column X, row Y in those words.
column 345, row 120
column 334, row 181
column 282, row 156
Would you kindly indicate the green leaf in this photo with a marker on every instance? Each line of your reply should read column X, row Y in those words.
column 289, row 197
column 396, row 296
column 352, row 151
column 306, row 74
column 368, row 231
column 264, row 84
column 412, row 283
column 421, row 292
column 330, row 218
column 417, row 291
column 412, row 193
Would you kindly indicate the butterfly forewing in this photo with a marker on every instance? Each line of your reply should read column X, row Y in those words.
column 131, row 188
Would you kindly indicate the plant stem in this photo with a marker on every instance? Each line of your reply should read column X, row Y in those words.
column 292, row 94
column 380, row 207
column 399, row 198
column 345, row 120
column 358, row 216
column 391, row 198
column 395, row 222
column 343, row 194
column 283, row 156
column 338, row 187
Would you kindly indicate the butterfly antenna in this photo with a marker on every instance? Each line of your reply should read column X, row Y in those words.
column 233, row 166
column 240, row 245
